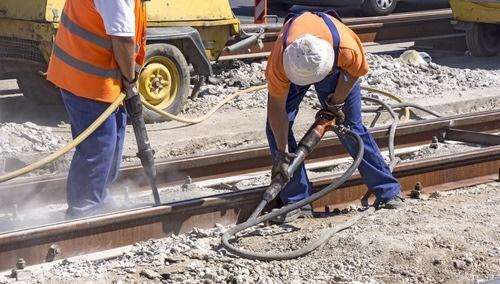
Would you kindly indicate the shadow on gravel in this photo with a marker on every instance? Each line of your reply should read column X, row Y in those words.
column 470, row 62
column 15, row 108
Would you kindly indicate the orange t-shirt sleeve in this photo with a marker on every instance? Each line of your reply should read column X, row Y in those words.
column 352, row 59
column 277, row 81
column 353, row 62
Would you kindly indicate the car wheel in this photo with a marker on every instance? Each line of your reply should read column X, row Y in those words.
column 378, row 7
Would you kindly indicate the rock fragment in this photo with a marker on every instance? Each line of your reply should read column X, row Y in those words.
column 459, row 264
column 150, row 274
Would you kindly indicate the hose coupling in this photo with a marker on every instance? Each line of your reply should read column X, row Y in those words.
column 272, row 191
column 146, row 154
column 340, row 130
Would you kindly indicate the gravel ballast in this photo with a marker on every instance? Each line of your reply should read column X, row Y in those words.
column 449, row 237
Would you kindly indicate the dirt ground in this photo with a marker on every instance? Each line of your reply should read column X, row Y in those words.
column 449, row 237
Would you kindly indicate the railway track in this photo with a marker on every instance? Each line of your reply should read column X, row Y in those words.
column 51, row 189
column 400, row 27
column 70, row 238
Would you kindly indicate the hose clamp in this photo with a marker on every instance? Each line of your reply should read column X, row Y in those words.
column 340, row 130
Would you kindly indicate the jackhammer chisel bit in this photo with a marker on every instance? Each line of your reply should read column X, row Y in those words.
column 145, row 153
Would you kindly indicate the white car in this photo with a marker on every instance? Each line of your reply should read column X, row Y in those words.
column 369, row 7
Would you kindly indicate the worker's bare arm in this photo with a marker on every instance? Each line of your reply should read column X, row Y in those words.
column 344, row 86
column 278, row 120
column 124, row 49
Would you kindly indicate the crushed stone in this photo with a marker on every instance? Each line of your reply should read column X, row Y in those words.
column 27, row 137
column 420, row 81
column 451, row 238
column 387, row 73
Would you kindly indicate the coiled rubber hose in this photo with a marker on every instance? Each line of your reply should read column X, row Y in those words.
column 229, row 98
column 72, row 144
column 406, row 115
column 325, row 235
column 87, row 132
column 392, row 129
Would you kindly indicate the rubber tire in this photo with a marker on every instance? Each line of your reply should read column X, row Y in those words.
column 370, row 8
column 172, row 52
column 37, row 89
column 276, row 5
column 476, row 43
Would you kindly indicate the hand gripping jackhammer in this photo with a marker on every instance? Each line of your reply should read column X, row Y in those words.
column 145, row 153
column 311, row 139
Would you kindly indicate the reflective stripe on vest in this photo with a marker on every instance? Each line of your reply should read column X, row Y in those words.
column 83, row 60
column 83, row 66
column 75, row 29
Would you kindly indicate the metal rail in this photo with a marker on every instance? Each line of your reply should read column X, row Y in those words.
column 51, row 189
column 68, row 239
column 399, row 27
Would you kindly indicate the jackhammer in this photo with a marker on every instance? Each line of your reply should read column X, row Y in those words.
column 313, row 136
column 324, row 123
column 145, row 153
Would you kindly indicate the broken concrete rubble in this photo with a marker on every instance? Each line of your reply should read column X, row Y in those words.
column 27, row 137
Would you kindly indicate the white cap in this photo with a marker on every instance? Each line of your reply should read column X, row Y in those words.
column 308, row 60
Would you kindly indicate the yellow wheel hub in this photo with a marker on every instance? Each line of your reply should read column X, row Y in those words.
column 159, row 81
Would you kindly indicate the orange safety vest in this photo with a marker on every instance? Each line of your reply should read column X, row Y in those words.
column 82, row 60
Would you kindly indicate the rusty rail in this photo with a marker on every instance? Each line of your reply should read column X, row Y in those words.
column 51, row 189
column 124, row 228
column 399, row 27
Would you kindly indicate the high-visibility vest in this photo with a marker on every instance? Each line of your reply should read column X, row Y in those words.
column 82, row 60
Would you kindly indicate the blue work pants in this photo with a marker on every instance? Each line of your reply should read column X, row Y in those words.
column 97, row 159
column 375, row 172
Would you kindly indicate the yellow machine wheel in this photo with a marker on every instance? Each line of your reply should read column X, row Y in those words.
column 164, row 80
column 483, row 39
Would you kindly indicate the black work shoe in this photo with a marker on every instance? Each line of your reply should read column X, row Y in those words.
column 395, row 203
column 303, row 212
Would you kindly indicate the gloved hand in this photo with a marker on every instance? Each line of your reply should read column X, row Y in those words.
column 336, row 111
column 281, row 162
column 130, row 88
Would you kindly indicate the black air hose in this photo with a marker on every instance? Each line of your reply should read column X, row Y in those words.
column 324, row 237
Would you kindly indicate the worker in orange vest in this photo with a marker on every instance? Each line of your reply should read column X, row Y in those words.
column 318, row 49
column 99, row 49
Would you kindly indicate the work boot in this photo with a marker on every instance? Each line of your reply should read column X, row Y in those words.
column 303, row 212
column 395, row 203
column 107, row 206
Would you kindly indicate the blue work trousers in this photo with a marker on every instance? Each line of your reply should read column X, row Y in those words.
column 96, row 160
column 375, row 172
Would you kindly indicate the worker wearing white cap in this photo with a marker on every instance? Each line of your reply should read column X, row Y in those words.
column 318, row 49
